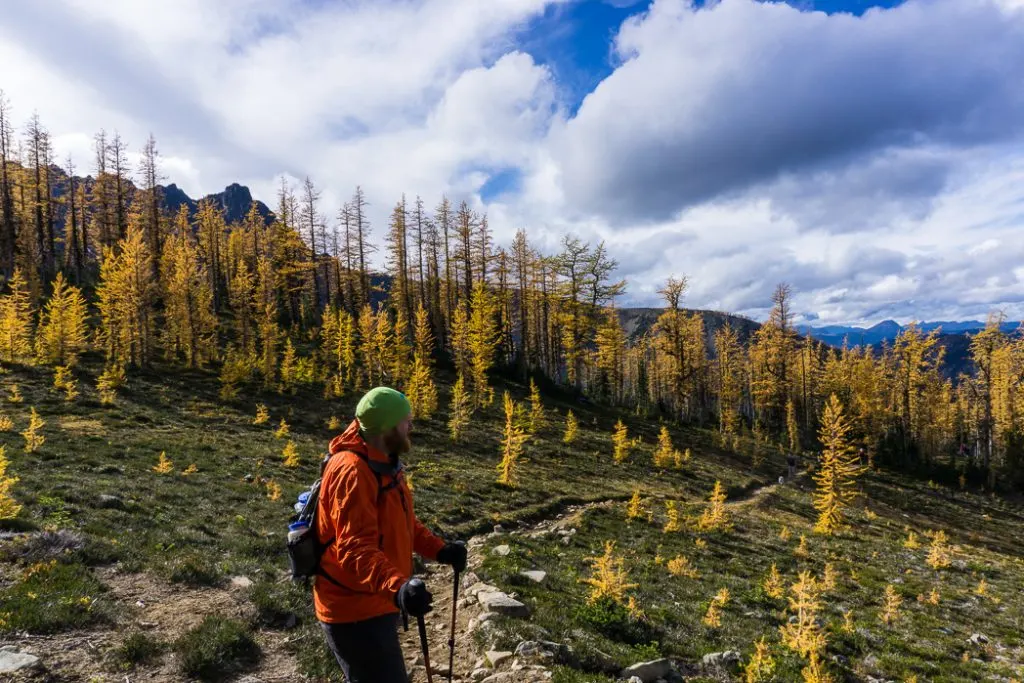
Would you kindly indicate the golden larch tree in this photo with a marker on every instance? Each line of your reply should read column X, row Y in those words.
column 16, row 321
column 571, row 428
column 511, row 443
column 422, row 391
column 460, row 410
column 190, row 325
column 63, row 331
column 483, row 340
column 33, row 439
column 609, row 578
column 9, row 507
column 714, row 517
column 126, row 296
column 803, row 633
column 666, row 454
column 537, row 417
column 620, row 442
column 837, row 475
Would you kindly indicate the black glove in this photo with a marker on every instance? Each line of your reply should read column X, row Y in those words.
column 454, row 554
column 413, row 598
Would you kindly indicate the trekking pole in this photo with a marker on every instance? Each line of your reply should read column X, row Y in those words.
column 423, row 645
column 451, row 637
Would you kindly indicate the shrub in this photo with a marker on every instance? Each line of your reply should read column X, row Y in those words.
column 216, row 649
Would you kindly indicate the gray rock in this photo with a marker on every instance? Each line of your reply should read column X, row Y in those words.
column 648, row 672
column 11, row 660
column 105, row 500
column 728, row 660
column 535, row 575
column 542, row 650
column 635, row 679
column 499, row 529
column 241, row 582
column 496, row 658
column 977, row 639
column 503, row 604
column 501, row 550
column 478, row 674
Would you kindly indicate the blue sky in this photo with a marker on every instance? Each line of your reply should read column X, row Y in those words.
column 870, row 154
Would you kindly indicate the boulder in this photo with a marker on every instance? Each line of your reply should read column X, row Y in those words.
column 11, row 660
column 977, row 639
column 501, row 550
column 497, row 657
column 535, row 575
column 542, row 651
column 727, row 660
column 501, row 603
column 648, row 672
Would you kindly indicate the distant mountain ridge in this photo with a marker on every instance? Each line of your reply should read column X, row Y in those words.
column 888, row 330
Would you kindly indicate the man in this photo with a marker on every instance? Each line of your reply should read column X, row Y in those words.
column 366, row 521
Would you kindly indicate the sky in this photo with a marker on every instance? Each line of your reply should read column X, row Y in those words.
column 868, row 153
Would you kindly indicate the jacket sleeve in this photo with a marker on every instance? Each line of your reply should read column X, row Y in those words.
column 362, row 565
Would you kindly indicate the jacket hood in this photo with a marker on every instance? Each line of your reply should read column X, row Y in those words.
column 352, row 440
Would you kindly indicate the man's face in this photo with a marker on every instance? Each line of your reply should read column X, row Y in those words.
column 397, row 440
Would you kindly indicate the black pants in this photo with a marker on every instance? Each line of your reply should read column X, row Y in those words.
column 368, row 651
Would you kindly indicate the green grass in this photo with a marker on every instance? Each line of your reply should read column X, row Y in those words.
column 137, row 648
column 52, row 597
column 217, row 648
column 91, row 498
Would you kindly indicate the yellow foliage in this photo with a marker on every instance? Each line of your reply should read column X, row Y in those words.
column 911, row 543
column 714, row 516
column 282, row 430
column 891, row 602
column 829, row 578
column 802, row 634
column 14, row 396
column 836, row 477
column 512, row 444
column 610, row 578
column 16, row 321
column 801, row 548
column 483, row 341
column 191, row 469
column 112, row 379
column 64, row 381
column 635, row 507
column 262, row 415
column 9, row 508
column 334, row 423
column 63, row 332
column 982, row 588
column 571, row 428
column 848, row 626
column 620, row 442
column 784, row 534
column 713, row 617
column 815, row 671
column 761, row 665
column 673, row 524
column 163, row 464
column 772, row 583
column 290, row 455
column 940, row 552
column 33, row 439
column 666, row 455
column 537, row 417
column 6, row 423
column 273, row 490
column 680, row 566
column 460, row 410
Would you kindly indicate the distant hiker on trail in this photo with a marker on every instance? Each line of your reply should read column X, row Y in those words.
column 366, row 520
column 791, row 464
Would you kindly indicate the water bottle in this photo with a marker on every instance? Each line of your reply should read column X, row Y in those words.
column 297, row 529
column 303, row 497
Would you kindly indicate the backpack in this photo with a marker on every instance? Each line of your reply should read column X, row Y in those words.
column 305, row 548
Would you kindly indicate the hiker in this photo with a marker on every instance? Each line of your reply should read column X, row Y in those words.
column 791, row 464
column 366, row 520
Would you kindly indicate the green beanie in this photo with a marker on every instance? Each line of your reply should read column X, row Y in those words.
column 381, row 410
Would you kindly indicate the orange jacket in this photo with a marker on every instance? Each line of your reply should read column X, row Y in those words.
column 370, row 556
